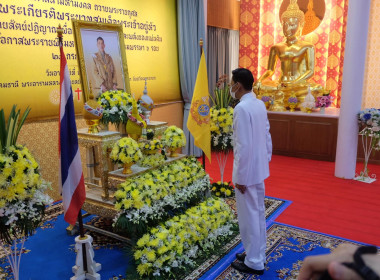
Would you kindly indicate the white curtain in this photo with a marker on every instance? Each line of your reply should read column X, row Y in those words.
column 218, row 55
column 233, row 43
column 223, row 53
column 191, row 28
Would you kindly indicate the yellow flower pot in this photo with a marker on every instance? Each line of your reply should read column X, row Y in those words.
column 173, row 152
column 127, row 168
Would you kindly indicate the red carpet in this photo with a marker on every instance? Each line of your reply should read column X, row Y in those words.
column 321, row 202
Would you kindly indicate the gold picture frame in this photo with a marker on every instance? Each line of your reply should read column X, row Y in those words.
column 101, row 57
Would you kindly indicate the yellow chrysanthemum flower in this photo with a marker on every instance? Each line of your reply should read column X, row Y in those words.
column 151, row 256
column 127, row 203
column 138, row 204
column 2, row 203
column 135, row 194
column 153, row 242
column 162, row 250
column 138, row 254
column 143, row 240
column 143, row 269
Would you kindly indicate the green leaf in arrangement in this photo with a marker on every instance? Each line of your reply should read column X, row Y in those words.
column 21, row 123
column 10, row 130
column 222, row 97
column 2, row 131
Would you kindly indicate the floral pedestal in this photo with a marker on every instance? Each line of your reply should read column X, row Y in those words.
column 173, row 152
column 368, row 142
column 222, row 157
column 127, row 168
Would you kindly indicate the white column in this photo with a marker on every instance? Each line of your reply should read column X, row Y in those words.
column 353, row 76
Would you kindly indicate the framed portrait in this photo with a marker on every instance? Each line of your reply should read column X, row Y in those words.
column 101, row 57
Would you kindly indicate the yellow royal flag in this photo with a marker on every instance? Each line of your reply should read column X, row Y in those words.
column 198, row 122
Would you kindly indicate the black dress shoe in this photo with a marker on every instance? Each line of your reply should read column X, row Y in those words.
column 245, row 269
column 240, row 256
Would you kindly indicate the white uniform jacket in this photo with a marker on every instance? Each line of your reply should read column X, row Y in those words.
column 252, row 141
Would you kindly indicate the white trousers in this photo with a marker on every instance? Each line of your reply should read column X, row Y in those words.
column 252, row 225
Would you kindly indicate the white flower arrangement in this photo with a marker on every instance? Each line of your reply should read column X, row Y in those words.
column 143, row 198
column 155, row 210
column 116, row 104
column 180, row 240
column 174, row 137
column 221, row 128
column 126, row 150
column 22, row 198
column 152, row 160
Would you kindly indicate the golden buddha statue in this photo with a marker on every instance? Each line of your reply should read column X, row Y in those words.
column 297, row 63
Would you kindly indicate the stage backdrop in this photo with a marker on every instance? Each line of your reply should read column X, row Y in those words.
column 29, row 75
column 260, row 28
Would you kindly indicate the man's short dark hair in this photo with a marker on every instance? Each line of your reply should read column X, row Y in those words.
column 244, row 77
column 99, row 38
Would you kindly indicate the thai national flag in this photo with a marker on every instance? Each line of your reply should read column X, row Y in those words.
column 71, row 175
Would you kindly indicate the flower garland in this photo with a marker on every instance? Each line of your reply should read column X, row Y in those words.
column 22, row 198
column 117, row 105
column 174, row 137
column 222, row 189
column 98, row 111
column 143, row 198
column 136, row 121
column 126, row 150
column 221, row 128
column 179, row 241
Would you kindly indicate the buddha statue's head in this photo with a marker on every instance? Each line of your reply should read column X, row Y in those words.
column 293, row 20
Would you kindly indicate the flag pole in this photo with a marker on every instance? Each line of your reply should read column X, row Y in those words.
column 203, row 153
column 80, row 218
column 82, row 236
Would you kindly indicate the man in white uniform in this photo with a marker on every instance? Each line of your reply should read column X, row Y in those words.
column 252, row 153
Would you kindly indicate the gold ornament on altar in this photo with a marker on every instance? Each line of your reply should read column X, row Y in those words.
column 135, row 123
column 92, row 113
column 292, row 103
column 146, row 103
column 297, row 60
column 278, row 102
column 309, row 102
